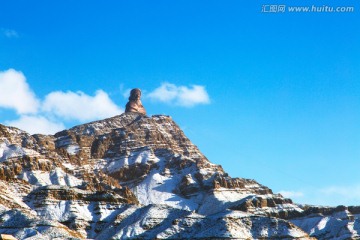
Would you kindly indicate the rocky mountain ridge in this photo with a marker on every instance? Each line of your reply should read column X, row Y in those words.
column 133, row 176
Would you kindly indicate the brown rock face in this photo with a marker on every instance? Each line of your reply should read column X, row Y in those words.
column 133, row 176
column 40, row 171
column 41, row 194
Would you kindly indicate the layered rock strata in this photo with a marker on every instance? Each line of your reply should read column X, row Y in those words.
column 133, row 176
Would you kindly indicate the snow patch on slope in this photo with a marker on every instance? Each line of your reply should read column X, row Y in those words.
column 158, row 189
column 54, row 177
column 222, row 199
column 73, row 149
column 141, row 157
column 8, row 150
column 339, row 225
column 164, row 222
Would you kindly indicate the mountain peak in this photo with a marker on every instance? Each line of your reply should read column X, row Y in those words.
column 134, row 176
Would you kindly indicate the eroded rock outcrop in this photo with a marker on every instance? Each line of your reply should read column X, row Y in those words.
column 134, row 104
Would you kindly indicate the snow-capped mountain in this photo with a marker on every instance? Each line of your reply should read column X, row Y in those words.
column 133, row 176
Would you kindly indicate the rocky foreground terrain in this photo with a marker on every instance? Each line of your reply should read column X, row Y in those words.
column 138, row 177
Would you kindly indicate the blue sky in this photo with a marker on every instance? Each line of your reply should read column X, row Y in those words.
column 270, row 96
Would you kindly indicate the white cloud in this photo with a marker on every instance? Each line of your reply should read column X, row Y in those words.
column 344, row 192
column 9, row 33
column 180, row 95
column 36, row 124
column 291, row 194
column 80, row 106
column 16, row 94
column 33, row 114
column 326, row 196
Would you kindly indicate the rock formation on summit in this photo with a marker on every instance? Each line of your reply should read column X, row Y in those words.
column 134, row 104
column 137, row 177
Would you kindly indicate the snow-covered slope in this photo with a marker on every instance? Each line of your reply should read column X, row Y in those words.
column 133, row 176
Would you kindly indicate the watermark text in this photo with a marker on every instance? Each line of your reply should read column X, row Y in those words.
column 277, row 8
